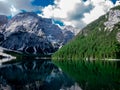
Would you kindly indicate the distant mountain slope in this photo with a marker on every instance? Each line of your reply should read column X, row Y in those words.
column 30, row 33
column 3, row 20
column 99, row 39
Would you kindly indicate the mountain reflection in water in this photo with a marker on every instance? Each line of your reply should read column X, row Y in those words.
column 33, row 75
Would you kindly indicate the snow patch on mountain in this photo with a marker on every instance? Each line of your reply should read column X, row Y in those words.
column 31, row 33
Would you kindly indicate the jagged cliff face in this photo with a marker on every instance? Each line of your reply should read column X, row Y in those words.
column 3, row 22
column 71, row 29
column 30, row 22
column 113, row 18
column 68, row 35
column 99, row 39
column 27, row 32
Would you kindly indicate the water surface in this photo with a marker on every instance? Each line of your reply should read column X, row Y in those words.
column 92, row 75
column 33, row 74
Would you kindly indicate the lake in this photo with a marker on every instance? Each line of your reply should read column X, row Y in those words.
column 33, row 73
column 92, row 74
column 42, row 73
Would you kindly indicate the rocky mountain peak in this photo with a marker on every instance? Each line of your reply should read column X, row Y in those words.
column 113, row 18
column 71, row 29
column 31, row 22
column 30, row 16
column 29, row 32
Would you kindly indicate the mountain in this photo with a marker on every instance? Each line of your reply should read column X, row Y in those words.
column 68, row 34
column 27, row 32
column 98, row 40
column 72, row 29
column 3, row 20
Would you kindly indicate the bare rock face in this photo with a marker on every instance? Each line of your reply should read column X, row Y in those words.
column 3, row 22
column 113, row 22
column 72, row 29
column 28, row 43
column 68, row 35
column 32, row 23
column 113, row 18
column 30, row 33
column 3, row 19
column 1, row 37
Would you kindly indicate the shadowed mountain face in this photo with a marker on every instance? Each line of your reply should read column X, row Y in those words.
column 30, row 33
column 3, row 22
column 3, row 19
column 1, row 37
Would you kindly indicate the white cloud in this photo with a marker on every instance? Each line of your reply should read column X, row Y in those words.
column 12, row 7
column 100, row 8
column 77, row 12
column 71, row 12
column 117, row 2
column 60, row 9
column 24, row 5
column 13, row 10
column 3, row 8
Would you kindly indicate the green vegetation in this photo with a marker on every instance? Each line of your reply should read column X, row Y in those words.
column 87, row 57
column 93, row 42
column 116, row 8
column 92, row 75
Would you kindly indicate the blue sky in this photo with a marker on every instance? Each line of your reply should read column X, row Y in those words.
column 51, row 2
column 43, row 2
column 114, row 1
column 77, row 13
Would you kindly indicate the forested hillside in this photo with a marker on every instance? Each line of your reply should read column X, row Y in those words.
column 98, row 40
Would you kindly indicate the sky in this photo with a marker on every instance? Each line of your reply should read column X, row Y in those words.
column 77, row 13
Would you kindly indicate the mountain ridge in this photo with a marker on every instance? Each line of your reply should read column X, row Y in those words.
column 30, row 33
column 98, row 40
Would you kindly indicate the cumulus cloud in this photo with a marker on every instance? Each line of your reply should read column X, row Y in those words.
column 24, row 5
column 12, row 7
column 77, row 13
column 100, row 8
column 3, row 8
column 79, row 10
